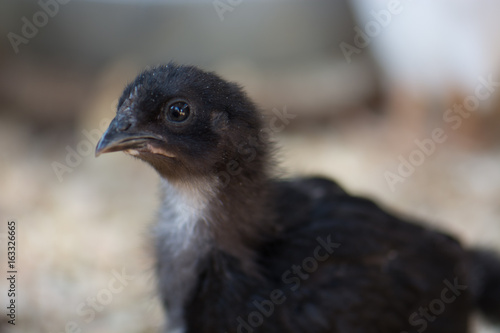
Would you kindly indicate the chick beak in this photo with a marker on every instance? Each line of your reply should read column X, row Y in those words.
column 120, row 137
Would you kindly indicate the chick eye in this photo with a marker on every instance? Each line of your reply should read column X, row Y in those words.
column 177, row 112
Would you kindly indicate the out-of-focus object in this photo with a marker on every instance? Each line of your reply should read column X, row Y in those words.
column 435, row 55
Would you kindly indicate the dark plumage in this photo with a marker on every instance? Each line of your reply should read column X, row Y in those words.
column 238, row 251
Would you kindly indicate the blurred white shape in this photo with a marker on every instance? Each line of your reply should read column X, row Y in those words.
column 433, row 46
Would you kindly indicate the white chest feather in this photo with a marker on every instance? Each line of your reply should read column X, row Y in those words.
column 181, row 211
column 182, row 241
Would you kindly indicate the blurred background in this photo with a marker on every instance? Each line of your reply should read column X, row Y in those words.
column 397, row 100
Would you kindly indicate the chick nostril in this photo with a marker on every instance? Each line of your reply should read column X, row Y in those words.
column 124, row 126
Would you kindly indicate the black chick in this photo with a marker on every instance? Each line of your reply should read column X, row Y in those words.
column 238, row 251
